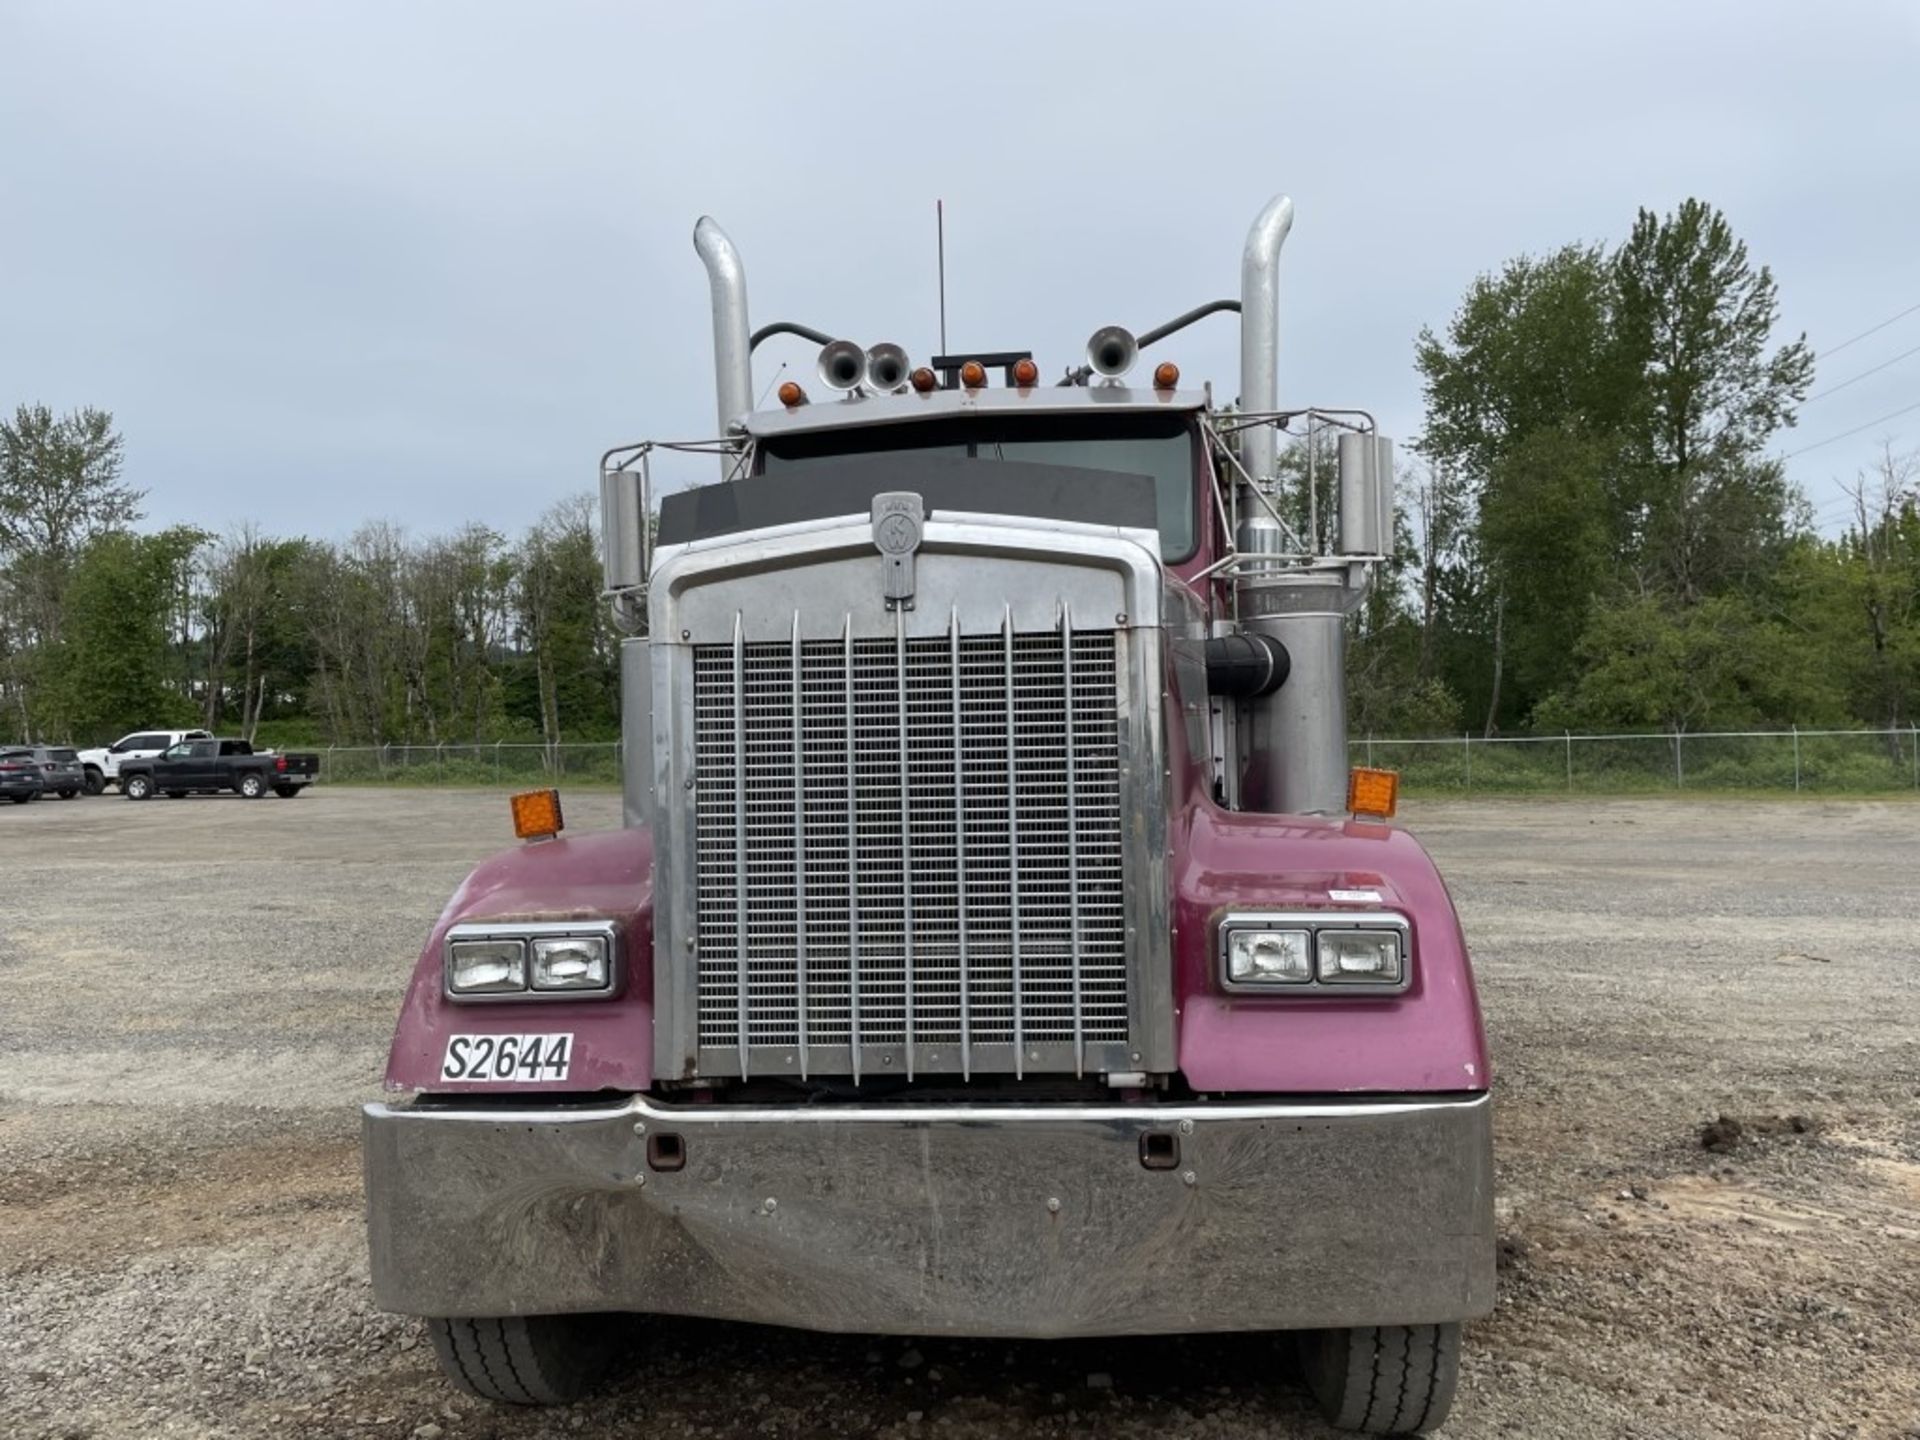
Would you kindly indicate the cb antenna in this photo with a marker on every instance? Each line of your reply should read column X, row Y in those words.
column 940, row 230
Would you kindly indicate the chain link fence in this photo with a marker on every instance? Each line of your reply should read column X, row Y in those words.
column 502, row 763
column 1834, row 761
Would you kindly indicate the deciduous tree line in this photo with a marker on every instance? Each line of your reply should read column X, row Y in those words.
column 1593, row 535
column 1596, row 536
column 469, row 637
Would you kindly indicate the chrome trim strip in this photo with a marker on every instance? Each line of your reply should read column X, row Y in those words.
column 1223, row 1112
column 1013, row 851
column 740, row 834
column 799, row 852
column 853, row 868
column 1073, row 840
column 960, row 845
column 906, row 820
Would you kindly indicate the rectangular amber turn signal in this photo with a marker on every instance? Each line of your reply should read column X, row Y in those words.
column 1373, row 794
column 536, row 814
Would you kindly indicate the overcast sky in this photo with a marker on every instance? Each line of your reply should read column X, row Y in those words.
column 424, row 262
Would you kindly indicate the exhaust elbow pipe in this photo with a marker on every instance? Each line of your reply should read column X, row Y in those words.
column 732, row 340
column 1260, row 329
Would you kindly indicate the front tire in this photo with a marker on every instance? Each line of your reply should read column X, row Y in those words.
column 137, row 787
column 287, row 792
column 96, row 782
column 1384, row 1379
column 525, row 1359
column 68, row 794
column 20, row 799
column 252, row 786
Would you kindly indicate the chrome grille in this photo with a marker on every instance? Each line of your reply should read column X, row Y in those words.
column 911, row 846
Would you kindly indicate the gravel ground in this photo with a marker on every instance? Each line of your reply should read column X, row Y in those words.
column 1706, row 1028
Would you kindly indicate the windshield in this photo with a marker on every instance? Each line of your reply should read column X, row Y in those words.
column 1159, row 447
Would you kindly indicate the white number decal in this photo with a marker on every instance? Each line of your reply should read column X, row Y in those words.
column 507, row 1059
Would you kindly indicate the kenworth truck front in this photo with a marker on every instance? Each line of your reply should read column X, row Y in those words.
column 993, row 946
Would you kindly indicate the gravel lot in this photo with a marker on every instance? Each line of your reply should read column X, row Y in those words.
column 195, row 995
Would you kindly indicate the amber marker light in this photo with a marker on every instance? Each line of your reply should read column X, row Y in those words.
column 536, row 814
column 791, row 394
column 973, row 375
column 923, row 380
column 1025, row 373
column 1166, row 375
column 1373, row 794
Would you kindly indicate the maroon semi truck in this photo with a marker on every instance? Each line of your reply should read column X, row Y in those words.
column 993, row 945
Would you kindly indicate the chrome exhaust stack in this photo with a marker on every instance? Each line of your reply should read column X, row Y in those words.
column 1294, row 739
column 1260, row 330
column 732, row 338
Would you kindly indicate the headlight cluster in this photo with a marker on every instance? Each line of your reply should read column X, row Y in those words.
column 1316, row 952
column 540, row 961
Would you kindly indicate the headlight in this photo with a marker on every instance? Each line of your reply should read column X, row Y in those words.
column 1270, row 957
column 570, row 962
column 1359, row 957
column 486, row 967
column 1317, row 952
column 533, row 960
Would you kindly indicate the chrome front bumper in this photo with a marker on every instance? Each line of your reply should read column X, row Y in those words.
column 981, row 1220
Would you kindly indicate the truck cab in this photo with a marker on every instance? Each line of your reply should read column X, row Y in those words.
column 997, row 942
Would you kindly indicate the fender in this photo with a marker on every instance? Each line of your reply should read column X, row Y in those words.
column 604, row 876
column 1429, row 1039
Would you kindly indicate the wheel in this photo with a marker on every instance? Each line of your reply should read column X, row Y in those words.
column 20, row 799
column 68, row 793
column 287, row 792
column 137, row 787
column 1383, row 1379
column 253, row 786
column 96, row 782
column 525, row 1359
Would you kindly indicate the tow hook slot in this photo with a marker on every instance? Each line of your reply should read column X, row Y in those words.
column 1159, row 1150
column 666, row 1151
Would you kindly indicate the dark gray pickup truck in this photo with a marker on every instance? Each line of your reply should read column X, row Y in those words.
column 213, row 765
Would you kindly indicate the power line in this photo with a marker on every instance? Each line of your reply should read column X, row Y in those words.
column 1861, row 376
column 1874, row 330
column 1846, row 434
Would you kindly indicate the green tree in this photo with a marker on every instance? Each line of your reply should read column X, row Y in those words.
column 571, row 654
column 1527, row 396
column 112, row 661
column 1602, row 417
column 59, row 488
column 1698, row 318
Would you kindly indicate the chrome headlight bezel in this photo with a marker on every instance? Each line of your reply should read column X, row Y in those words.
column 1316, row 923
column 527, row 933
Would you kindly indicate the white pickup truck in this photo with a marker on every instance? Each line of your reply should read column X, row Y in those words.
column 103, row 764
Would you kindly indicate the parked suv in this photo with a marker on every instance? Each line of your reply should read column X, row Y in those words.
column 60, row 769
column 19, row 776
column 102, row 765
